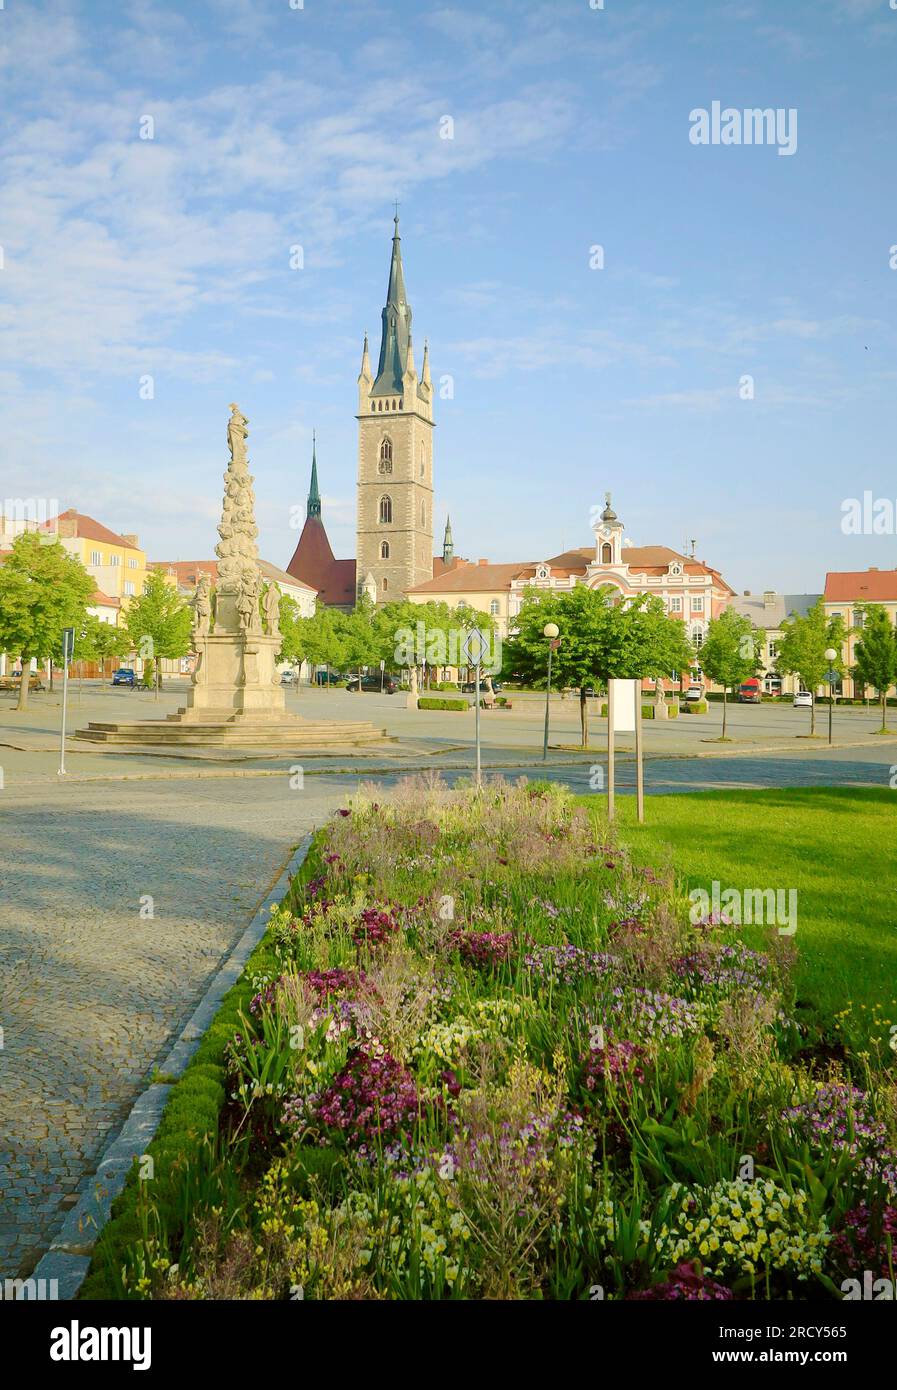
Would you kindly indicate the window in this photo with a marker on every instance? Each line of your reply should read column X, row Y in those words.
column 384, row 550
column 493, row 607
column 423, row 514
column 96, row 558
column 423, row 459
column 675, row 605
column 114, row 560
column 697, row 604
column 384, row 584
column 859, row 618
column 129, row 586
column 385, row 465
column 773, row 650
column 698, row 637
column 132, row 564
column 607, row 553
column 385, row 511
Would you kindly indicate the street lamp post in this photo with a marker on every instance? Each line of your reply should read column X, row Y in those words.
column 550, row 630
column 830, row 656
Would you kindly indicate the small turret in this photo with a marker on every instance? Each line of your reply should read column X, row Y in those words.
column 448, row 547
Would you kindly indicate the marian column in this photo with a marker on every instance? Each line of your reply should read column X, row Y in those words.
column 237, row 651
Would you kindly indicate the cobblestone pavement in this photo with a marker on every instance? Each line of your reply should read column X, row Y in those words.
column 91, row 992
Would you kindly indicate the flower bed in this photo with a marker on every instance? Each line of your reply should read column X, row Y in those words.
column 480, row 1055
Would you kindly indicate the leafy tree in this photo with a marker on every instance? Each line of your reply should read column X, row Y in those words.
column 600, row 639
column 318, row 639
column 98, row 641
column 876, row 654
column 802, row 649
column 359, row 639
column 43, row 589
column 730, row 653
column 158, row 624
column 289, row 621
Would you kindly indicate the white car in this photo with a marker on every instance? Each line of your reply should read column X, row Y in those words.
column 694, row 693
column 803, row 700
column 288, row 677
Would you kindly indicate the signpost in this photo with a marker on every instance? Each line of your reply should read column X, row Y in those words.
column 831, row 678
column 624, row 715
column 473, row 649
column 68, row 651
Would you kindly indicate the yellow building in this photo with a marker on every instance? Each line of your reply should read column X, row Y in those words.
column 114, row 562
column 844, row 590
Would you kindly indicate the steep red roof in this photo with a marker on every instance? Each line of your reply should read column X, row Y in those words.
column 101, row 600
column 313, row 563
column 861, row 586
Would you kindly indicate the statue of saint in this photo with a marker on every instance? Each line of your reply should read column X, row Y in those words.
column 202, row 609
column 237, row 433
column 248, row 602
column 272, row 610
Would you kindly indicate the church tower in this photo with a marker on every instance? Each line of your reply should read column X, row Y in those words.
column 395, row 453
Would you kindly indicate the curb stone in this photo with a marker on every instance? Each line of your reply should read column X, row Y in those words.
column 68, row 1258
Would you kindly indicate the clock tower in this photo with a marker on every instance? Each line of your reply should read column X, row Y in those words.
column 394, row 542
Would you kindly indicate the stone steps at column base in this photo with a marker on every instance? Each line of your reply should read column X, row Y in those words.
column 294, row 733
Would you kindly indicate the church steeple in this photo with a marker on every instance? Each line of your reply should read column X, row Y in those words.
column 314, row 496
column 396, row 319
column 448, row 547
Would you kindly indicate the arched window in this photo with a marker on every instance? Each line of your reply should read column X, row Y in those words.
column 384, row 550
column 423, row 514
column 384, row 583
column 493, row 608
column 385, row 511
column 607, row 554
column 698, row 638
column 385, row 464
column 423, row 460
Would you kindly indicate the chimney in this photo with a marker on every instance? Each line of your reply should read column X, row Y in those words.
column 873, row 569
column 747, row 593
column 482, row 562
column 769, row 598
column 131, row 541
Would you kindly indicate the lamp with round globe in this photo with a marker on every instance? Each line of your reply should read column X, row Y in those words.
column 549, row 631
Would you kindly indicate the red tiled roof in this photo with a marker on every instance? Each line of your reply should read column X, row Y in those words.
column 472, row 579
column 98, row 598
column 87, row 528
column 313, row 563
column 861, row 586
column 187, row 572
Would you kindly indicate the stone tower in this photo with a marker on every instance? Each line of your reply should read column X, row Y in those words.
column 395, row 453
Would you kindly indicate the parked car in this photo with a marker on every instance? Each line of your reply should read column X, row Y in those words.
column 125, row 675
column 327, row 678
column 749, row 693
column 693, row 694
column 372, row 685
column 470, row 687
column 803, row 700
column 289, row 677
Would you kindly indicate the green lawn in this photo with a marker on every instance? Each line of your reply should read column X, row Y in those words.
column 836, row 846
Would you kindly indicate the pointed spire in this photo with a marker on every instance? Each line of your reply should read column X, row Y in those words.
column 448, row 547
column 314, row 496
column 365, row 373
column 425, row 378
column 410, row 374
column 396, row 319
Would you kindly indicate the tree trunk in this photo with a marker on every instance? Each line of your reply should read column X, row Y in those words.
column 725, row 709
column 584, row 716
column 813, row 715
column 884, row 712
column 52, row 670
column 24, row 683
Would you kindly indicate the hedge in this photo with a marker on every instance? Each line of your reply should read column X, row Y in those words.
column 648, row 711
column 426, row 702
column 696, row 707
column 190, row 1117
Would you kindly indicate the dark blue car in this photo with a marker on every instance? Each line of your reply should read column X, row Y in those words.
column 125, row 676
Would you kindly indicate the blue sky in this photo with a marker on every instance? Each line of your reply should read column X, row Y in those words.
column 277, row 126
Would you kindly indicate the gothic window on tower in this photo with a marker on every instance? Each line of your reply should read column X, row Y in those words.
column 423, row 459
column 385, row 511
column 423, row 514
column 384, row 583
column 386, row 456
column 607, row 554
column 384, row 550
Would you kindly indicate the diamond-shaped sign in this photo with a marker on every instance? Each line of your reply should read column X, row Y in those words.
column 474, row 647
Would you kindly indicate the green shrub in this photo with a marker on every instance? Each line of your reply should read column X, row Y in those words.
column 425, row 702
column 696, row 707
